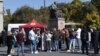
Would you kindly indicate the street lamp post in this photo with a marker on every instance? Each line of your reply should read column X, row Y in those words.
column 44, row 3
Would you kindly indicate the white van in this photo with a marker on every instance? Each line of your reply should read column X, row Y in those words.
column 16, row 26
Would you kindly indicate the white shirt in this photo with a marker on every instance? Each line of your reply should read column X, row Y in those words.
column 49, row 36
column 32, row 35
column 78, row 33
column 89, row 34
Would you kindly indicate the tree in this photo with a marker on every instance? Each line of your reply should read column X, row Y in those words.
column 23, row 14
column 26, row 13
column 91, row 15
column 93, row 19
column 76, row 11
column 43, row 15
column 97, row 4
column 7, row 17
column 65, row 12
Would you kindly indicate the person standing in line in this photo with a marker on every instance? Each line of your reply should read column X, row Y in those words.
column 11, row 39
column 89, row 35
column 42, row 42
column 55, row 40
column 99, row 37
column 84, row 40
column 63, row 37
column 78, row 38
column 67, row 38
column 49, row 36
column 32, row 37
column 9, row 43
column 23, row 30
column 45, row 41
column 37, row 40
column 20, row 42
column 3, row 35
column 60, row 40
column 95, row 39
column 72, row 41
column 0, row 41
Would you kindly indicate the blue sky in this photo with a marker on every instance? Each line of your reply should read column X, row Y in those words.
column 14, row 4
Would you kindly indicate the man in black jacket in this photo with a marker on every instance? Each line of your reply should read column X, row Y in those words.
column 84, row 39
column 95, row 40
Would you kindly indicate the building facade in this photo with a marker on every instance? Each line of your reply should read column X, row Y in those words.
column 1, row 15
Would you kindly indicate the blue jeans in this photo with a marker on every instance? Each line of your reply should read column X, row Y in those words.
column 79, row 43
column 21, row 49
column 33, row 45
column 56, row 45
column 12, row 44
column 72, row 44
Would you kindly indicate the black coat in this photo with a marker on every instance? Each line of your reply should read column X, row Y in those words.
column 84, row 35
column 95, row 36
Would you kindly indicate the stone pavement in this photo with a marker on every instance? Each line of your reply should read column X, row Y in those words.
column 57, row 53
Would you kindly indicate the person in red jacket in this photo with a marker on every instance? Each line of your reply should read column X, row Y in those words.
column 20, row 42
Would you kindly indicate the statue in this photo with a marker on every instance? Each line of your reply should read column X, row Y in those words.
column 54, row 6
column 55, row 12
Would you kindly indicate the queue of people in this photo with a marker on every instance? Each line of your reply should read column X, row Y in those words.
column 81, row 40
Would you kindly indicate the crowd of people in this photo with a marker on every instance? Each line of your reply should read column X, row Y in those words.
column 81, row 40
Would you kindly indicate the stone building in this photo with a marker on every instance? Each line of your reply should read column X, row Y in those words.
column 1, row 15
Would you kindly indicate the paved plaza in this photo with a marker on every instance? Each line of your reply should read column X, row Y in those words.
column 58, row 53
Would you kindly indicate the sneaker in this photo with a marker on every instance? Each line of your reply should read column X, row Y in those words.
column 9, row 55
column 68, row 50
column 12, row 51
column 36, row 52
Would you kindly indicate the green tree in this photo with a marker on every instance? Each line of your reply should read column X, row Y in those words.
column 76, row 11
column 93, row 19
column 26, row 13
column 87, row 8
column 44, row 15
column 65, row 12
column 23, row 14
column 97, row 4
column 91, row 15
column 7, row 17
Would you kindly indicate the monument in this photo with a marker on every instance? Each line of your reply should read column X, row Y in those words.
column 1, row 15
column 56, row 20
